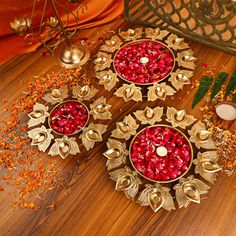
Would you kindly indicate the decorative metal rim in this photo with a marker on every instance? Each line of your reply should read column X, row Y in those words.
column 182, row 68
column 59, row 104
column 149, row 192
column 168, row 181
column 145, row 84
column 68, row 144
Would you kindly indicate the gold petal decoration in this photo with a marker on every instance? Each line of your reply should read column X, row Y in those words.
column 179, row 78
column 56, row 95
column 41, row 137
column 159, row 91
column 126, row 181
column 107, row 78
column 112, row 44
column 189, row 190
column 102, row 61
column 156, row 34
column 149, row 115
column 116, row 153
column 126, row 128
column 207, row 166
column 38, row 115
column 131, row 34
column 64, row 147
column 201, row 137
column 83, row 93
column 100, row 110
column 173, row 41
column 129, row 92
column 179, row 118
column 156, row 197
column 91, row 134
column 186, row 59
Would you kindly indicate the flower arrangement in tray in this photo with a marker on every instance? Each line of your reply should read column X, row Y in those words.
column 152, row 153
column 151, row 62
column 68, row 120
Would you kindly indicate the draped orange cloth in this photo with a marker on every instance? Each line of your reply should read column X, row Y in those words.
column 98, row 12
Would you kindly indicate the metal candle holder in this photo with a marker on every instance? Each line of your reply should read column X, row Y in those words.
column 73, row 55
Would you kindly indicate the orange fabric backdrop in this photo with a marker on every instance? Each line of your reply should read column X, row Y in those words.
column 98, row 12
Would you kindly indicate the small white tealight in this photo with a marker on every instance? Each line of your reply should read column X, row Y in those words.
column 144, row 60
column 161, row 151
column 226, row 111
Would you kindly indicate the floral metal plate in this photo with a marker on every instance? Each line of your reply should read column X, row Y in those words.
column 155, row 59
column 163, row 150
column 67, row 121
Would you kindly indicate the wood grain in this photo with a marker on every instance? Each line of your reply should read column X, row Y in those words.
column 91, row 206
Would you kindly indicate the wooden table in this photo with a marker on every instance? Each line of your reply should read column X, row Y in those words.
column 91, row 206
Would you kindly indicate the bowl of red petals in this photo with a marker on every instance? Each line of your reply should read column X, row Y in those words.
column 68, row 117
column 144, row 62
column 161, row 153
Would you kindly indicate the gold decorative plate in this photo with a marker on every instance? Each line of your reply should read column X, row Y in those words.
column 69, row 119
column 152, row 153
column 153, row 64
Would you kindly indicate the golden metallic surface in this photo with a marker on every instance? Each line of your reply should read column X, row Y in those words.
column 56, row 95
column 179, row 118
column 38, row 115
column 151, row 192
column 21, row 25
column 74, row 56
column 156, row 90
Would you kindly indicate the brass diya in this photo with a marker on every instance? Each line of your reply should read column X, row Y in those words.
column 162, row 62
column 131, row 169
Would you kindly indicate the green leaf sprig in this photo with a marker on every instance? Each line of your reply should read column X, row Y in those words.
column 220, row 80
column 204, row 86
column 231, row 84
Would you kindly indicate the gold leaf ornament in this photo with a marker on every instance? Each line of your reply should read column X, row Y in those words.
column 173, row 41
column 201, row 137
column 149, row 115
column 186, row 59
column 64, row 147
column 38, row 115
column 56, row 95
column 156, row 34
column 102, row 61
column 126, row 181
column 91, row 134
column 41, row 137
column 112, row 44
column 129, row 92
column 159, row 91
column 189, row 190
column 156, row 197
column 100, row 110
column 116, row 153
column 207, row 166
column 83, row 92
column 180, row 78
column 126, row 128
column 179, row 118
column 107, row 78
column 131, row 34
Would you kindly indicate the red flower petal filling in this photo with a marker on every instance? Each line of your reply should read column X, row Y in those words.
column 144, row 62
column 69, row 117
column 161, row 153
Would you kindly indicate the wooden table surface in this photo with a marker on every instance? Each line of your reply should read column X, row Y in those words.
column 91, row 206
